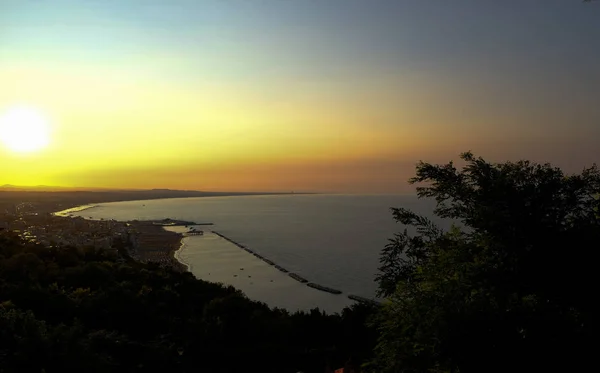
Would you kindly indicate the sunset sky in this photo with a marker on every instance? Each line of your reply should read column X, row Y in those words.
column 305, row 95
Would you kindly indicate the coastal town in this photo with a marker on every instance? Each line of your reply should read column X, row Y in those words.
column 144, row 241
column 55, row 221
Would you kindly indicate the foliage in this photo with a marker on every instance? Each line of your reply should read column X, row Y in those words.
column 70, row 309
column 508, row 288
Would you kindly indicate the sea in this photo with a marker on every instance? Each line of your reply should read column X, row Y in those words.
column 331, row 240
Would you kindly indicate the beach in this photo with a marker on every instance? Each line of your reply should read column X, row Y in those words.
column 72, row 210
column 154, row 243
column 216, row 259
column 144, row 241
column 292, row 252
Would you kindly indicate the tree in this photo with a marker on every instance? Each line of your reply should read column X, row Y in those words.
column 65, row 309
column 508, row 287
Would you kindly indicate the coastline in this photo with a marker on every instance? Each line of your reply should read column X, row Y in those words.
column 218, row 260
column 152, row 242
column 155, row 244
column 299, row 282
column 66, row 213
column 182, row 245
column 223, row 260
column 177, row 256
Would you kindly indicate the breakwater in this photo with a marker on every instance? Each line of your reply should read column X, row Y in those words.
column 295, row 276
column 281, row 268
column 324, row 288
column 250, row 251
column 364, row 300
column 298, row 278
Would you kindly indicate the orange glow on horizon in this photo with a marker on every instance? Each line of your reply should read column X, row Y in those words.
column 204, row 95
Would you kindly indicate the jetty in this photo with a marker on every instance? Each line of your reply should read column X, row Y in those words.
column 364, row 300
column 295, row 276
column 298, row 278
column 281, row 268
column 323, row 288
column 245, row 248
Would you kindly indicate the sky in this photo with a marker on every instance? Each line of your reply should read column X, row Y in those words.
column 340, row 96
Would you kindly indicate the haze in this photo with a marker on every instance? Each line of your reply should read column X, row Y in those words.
column 332, row 96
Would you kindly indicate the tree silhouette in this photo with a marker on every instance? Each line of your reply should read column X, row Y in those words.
column 508, row 287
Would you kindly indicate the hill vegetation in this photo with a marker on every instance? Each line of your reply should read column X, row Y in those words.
column 69, row 309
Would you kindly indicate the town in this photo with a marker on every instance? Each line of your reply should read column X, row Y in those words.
column 144, row 241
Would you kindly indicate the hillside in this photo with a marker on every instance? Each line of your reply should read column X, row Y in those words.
column 76, row 309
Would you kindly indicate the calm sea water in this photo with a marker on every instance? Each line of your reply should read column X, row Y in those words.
column 333, row 240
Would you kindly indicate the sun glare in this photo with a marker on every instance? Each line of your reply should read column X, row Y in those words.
column 24, row 129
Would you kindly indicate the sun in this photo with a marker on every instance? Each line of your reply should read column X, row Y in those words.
column 23, row 129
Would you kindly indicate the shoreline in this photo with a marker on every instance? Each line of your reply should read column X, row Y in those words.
column 154, row 244
column 151, row 243
column 67, row 212
column 177, row 253
column 218, row 260
column 156, row 241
